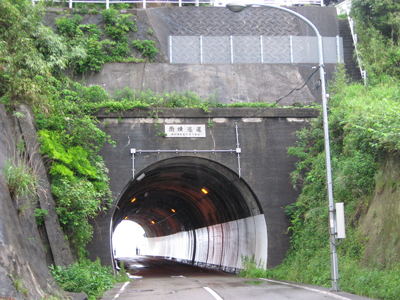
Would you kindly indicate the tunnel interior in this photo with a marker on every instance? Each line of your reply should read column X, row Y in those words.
column 188, row 195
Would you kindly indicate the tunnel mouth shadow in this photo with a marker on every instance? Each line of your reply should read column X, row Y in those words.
column 191, row 209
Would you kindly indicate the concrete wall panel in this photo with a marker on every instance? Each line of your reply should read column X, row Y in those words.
column 230, row 244
column 247, row 239
column 220, row 246
column 202, row 245
column 215, row 248
column 261, row 251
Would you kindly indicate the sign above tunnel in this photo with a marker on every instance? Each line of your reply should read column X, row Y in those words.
column 180, row 130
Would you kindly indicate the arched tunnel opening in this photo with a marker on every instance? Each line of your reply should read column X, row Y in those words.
column 195, row 211
column 124, row 247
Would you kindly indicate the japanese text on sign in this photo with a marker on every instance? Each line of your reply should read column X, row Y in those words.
column 181, row 130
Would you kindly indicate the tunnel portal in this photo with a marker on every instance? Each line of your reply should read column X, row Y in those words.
column 196, row 211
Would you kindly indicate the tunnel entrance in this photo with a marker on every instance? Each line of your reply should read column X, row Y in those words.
column 127, row 239
column 195, row 211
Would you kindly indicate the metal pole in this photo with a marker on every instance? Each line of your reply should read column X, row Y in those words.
column 231, row 46
column 133, row 151
column 170, row 49
column 236, row 7
column 201, row 49
column 261, row 49
column 291, row 49
column 338, row 49
column 238, row 150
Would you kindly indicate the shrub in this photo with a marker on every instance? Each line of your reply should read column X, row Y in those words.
column 87, row 277
column 20, row 178
column 146, row 47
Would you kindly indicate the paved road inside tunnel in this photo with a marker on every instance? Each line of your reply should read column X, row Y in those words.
column 154, row 279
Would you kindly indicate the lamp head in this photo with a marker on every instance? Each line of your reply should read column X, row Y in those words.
column 237, row 6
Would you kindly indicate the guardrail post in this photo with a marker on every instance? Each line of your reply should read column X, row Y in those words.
column 144, row 4
column 338, row 49
column 70, row 3
column 231, row 46
column 180, row 3
column 170, row 49
column 261, row 49
column 107, row 4
column 291, row 49
column 201, row 49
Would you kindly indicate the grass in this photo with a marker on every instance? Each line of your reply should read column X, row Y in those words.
column 87, row 277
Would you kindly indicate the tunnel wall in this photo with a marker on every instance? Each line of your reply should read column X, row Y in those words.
column 220, row 246
column 264, row 135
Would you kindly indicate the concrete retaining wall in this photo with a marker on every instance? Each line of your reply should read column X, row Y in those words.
column 226, row 83
column 26, row 251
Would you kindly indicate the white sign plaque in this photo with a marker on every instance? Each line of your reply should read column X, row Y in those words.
column 181, row 130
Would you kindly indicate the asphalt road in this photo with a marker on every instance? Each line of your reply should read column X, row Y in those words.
column 159, row 279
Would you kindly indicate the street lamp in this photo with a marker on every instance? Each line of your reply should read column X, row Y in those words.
column 238, row 7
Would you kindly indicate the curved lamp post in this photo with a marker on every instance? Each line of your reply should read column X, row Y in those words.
column 238, row 7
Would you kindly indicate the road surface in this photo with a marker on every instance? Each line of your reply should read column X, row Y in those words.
column 160, row 279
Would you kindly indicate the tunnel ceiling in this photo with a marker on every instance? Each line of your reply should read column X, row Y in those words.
column 182, row 194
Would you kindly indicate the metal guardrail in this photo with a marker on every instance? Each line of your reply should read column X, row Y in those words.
column 345, row 8
column 354, row 36
column 252, row 49
column 180, row 3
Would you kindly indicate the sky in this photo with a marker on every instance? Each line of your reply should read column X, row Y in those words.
column 127, row 236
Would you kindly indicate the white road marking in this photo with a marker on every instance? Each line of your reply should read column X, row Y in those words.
column 214, row 294
column 308, row 288
column 121, row 290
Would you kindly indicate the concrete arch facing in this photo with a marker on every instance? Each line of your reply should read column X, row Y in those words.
column 196, row 211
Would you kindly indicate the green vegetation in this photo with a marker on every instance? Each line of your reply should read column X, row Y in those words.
column 33, row 61
column 364, row 131
column 378, row 30
column 20, row 178
column 88, row 51
column 71, row 140
column 19, row 286
column 87, row 277
column 147, row 48
column 40, row 214
column 364, row 134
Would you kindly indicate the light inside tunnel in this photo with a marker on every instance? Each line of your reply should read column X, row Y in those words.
column 205, row 222
column 127, row 237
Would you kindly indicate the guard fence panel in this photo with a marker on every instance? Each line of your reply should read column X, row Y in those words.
column 253, row 49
